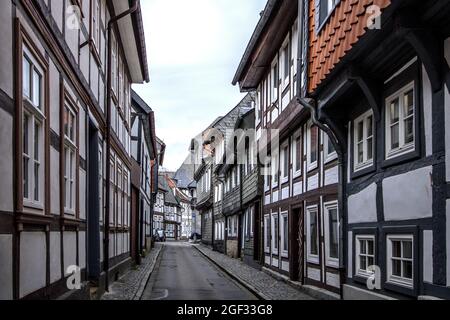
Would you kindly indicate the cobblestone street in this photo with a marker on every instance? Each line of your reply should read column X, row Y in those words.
column 259, row 282
column 131, row 286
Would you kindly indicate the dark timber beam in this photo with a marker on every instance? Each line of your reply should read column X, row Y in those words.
column 428, row 46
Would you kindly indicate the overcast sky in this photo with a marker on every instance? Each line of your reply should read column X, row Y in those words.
column 194, row 48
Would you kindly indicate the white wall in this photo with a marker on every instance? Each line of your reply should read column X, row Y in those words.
column 6, row 81
column 55, row 256
column 428, row 256
column 362, row 207
column 408, row 196
column 6, row 162
column 427, row 112
column 32, row 262
column 70, row 250
column 6, row 267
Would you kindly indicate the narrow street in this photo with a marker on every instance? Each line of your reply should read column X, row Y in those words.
column 182, row 273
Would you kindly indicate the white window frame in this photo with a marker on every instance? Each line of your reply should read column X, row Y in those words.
column 285, row 78
column 252, row 212
column 70, row 147
column 401, row 281
column 330, row 261
column 275, row 243
column 275, row 169
column 284, row 228
column 267, row 236
column 364, row 118
column 403, row 148
column 328, row 157
column 33, row 111
column 297, row 172
column 312, row 258
column 274, row 76
column 284, row 177
column 311, row 165
column 358, row 271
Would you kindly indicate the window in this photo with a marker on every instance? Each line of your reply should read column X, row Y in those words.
column 364, row 255
column 33, row 122
column 332, row 234
column 284, row 234
column 70, row 155
column 96, row 22
column 286, row 61
column 329, row 150
column 400, row 260
column 325, row 9
column 275, row 170
column 285, row 163
column 363, row 137
column 400, row 115
column 312, row 234
column 114, row 65
column 275, row 81
column 275, row 235
column 267, row 176
column 313, row 146
column 267, row 234
column 297, row 154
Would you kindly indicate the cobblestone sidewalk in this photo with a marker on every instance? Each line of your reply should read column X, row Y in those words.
column 257, row 281
column 131, row 286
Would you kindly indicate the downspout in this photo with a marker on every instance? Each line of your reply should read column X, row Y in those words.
column 311, row 105
column 112, row 21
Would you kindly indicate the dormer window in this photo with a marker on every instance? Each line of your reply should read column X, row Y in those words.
column 326, row 7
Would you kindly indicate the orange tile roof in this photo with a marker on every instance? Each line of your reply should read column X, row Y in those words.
column 347, row 24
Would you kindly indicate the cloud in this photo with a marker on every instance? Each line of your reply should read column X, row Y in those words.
column 194, row 48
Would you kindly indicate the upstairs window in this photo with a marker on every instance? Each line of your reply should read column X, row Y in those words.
column 275, row 81
column 285, row 163
column 325, row 9
column 297, row 154
column 363, row 141
column 313, row 146
column 364, row 255
column 400, row 127
column 286, row 62
column 33, row 122
column 70, row 154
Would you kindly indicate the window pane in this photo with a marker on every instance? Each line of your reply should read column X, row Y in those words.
column 313, row 233
column 66, row 122
column 395, row 136
column 36, row 182
column 275, row 226
column 407, row 269
column 26, row 179
column 396, row 249
column 25, row 134
column 331, row 148
column 298, row 153
column 333, row 227
column 394, row 111
column 285, row 233
column 370, row 149
column 37, row 89
column 36, row 141
column 285, row 162
column 362, row 246
column 26, row 77
column 370, row 261
column 314, row 143
column 287, row 64
column 397, row 268
column 370, row 247
column 369, row 126
column 408, row 106
column 363, row 262
column 360, row 131
column 407, row 249
column 409, row 103
column 360, row 152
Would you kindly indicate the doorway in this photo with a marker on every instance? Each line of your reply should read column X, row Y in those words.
column 296, row 244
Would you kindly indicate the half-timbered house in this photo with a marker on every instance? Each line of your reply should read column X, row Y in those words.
column 377, row 74
column 65, row 126
column 300, row 209
column 144, row 156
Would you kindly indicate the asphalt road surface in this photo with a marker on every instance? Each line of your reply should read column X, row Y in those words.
column 183, row 273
